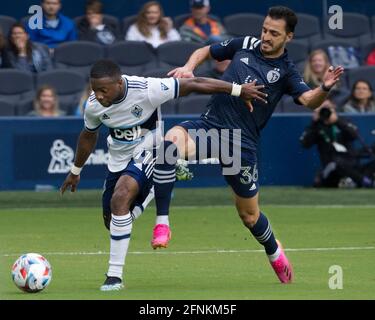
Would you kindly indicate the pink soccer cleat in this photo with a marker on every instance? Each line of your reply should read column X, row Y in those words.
column 161, row 236
column 282, row 267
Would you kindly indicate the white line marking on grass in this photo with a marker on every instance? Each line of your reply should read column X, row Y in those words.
column 322, row 206
column 78, row 253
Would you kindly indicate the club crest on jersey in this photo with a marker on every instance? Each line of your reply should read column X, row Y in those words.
column 273, row 75
column 136, row 111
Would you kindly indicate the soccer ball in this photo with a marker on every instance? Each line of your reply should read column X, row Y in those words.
column 31, row 272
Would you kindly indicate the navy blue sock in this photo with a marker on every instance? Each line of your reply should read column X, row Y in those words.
column 165, row 176
column 263, row 233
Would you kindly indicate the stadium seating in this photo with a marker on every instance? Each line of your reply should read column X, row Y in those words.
column 356, row 29
column 69, row 86
column 6, row 23
column 134, row 57
column 298, row 53
column 288, row 105
column 127, row 22
column 193, row 104
column 169, row 107
column 244, row 24
column 16, row 86
column 175, row 54
column 307, row 30
column 361, row 73
column 78, row 55
column 157, row 72
column 7, row 108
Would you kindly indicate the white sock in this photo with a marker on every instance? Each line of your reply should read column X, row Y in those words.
column 162, row 220
column 275, row 256
column 120, row 229
column 138, row 210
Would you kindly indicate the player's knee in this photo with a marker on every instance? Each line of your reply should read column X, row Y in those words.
column 120, row 202
column 179, row 137
column 249, row 217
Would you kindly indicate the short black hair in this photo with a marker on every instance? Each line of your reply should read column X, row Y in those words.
column 105, row 68
column 280, row 12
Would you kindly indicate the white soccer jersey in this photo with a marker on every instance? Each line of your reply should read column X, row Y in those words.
column 134, row 122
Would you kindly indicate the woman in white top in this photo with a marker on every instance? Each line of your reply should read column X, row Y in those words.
column 151, row 26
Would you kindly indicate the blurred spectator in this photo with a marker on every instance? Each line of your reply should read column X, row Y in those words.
column 327, row 103
column 95, row 27
column 370, row 59
column 361, row 99
column 316, row 66
column 46, row 103
column 334, row 137
column 82, row 102
column 24, row 55
column 2, row 49
column 57, row 28
column 200, row 27
column 152, row 26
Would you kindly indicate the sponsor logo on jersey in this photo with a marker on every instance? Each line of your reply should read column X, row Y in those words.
column 273, row 75
column 105, row 117
column 136, row 111
column 164, row 87
column 130, row 134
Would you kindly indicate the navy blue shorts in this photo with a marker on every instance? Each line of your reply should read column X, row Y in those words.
column 244, row 181
column 140, row 171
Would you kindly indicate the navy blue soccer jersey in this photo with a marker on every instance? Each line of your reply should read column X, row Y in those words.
column 279, row 75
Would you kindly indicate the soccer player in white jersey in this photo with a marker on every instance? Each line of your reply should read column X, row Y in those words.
column 130, row 107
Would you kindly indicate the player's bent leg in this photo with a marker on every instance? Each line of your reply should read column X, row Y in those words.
column 121, row 224
column 259, row 226
column 177, row 144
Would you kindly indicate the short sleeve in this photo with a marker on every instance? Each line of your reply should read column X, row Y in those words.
column 228, row 48
column 161, row 90
column 92, row 122
column 295, row 85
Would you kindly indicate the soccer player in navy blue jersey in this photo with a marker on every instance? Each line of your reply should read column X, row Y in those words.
column 263, row 61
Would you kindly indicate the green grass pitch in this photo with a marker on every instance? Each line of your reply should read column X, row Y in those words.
column 211, row 255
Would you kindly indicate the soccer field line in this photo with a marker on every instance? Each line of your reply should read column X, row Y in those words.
column 166, row 252
column 188, row 207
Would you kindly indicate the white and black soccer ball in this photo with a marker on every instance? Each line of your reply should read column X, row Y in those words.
column 31, row 272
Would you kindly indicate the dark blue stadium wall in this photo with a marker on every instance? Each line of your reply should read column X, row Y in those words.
column 121, row 8
column 35, row 153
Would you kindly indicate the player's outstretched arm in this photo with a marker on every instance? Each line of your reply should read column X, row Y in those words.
column 247, row 91
column 86, row 144
column 197, row 57
column 314, row 98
